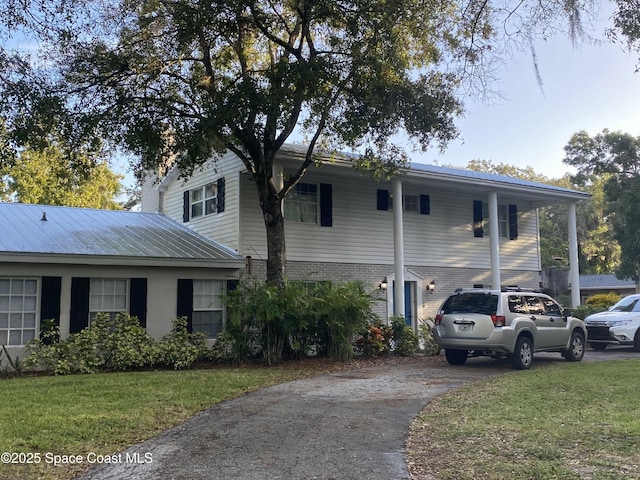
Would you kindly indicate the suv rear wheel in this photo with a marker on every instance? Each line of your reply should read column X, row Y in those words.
column 522, row 356
column 456, row 357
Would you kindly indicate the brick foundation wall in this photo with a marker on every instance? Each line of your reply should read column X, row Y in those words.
column 446, row 279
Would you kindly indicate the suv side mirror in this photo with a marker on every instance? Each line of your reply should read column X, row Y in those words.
column 566, row 312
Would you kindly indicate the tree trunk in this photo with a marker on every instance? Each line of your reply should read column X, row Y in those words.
column 271, row 206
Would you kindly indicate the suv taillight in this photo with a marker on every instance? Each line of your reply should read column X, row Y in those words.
column 438, row 319
column 498, row 320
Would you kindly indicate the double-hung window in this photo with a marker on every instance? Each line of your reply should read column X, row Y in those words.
column 18, row 310
column 207, row 307
column 302, row 204
column 204, row 200
column 503, row 222
column 108, row 295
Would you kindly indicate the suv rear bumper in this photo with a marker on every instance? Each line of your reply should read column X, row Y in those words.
column 501, row 340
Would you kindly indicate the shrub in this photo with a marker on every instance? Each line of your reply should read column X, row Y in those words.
column 121, row 343
column 342, row 311
column 375, row 340
column 583, row 311
column 116, row 344
column 405, row 339
column 181, row 349
column 425, row 334
column 602, row 300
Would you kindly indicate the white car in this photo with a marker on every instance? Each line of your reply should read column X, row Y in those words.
column 620, row 325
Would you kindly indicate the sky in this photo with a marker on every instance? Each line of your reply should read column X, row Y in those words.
column 591, row 87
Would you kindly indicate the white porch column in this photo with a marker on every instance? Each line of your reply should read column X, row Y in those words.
column 574, row 270
column 494, row 240
column 398, row 246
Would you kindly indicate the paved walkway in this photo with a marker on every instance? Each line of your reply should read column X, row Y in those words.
column 347, row 425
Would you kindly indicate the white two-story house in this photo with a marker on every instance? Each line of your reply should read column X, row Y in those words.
column 432, row 229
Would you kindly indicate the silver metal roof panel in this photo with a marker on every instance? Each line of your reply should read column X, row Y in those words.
column 52, row 230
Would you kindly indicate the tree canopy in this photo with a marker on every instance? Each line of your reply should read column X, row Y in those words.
column 615, row 158
column 44, row 176
column 179, row 81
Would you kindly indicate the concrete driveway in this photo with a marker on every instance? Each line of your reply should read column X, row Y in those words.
column 346, row 425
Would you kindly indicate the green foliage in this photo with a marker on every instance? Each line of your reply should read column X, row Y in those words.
column 583, row 311
column 113, row 344
column 405, row 340
column 615, row 156
column 272, row 322
column 599, row 302
column 603, row 300
column 375, row 340
column 344, row 310
column 10, row 366
column 181, row 349
column 267, row 318
column 47, row 177
column 425, row 335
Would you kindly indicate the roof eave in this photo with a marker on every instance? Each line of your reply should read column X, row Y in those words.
column 112, row 260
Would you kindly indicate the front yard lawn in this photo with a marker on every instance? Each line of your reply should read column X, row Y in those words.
column 566, row 422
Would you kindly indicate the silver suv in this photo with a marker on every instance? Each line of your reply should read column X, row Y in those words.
column 511, row 322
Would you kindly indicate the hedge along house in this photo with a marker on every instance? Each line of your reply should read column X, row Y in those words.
column 68, row 264
column 432, row 229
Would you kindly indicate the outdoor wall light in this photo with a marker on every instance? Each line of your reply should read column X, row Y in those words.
column 431, row 287
column 383, row 285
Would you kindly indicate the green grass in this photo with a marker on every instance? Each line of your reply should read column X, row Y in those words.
column 570, row 421
column 104, row 413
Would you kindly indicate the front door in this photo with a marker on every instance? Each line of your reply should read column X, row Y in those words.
column 409, row 301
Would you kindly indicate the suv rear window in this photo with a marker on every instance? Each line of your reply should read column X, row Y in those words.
column 483, row 303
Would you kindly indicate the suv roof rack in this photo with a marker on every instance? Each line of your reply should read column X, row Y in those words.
column 503, row 288
column 515, row 288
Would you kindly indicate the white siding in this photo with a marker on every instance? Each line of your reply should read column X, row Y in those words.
column 363, row 234
column 222, row 227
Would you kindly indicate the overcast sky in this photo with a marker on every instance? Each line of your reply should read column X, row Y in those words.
column 590, row 88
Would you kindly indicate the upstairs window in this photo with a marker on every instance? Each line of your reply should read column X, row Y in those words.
column 502, row 220
column 507, row 220
column 204, row 200
column 302, row 204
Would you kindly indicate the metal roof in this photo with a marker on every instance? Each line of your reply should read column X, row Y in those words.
column 469, row 180
column 150, row 238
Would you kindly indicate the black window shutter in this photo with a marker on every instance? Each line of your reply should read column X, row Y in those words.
column 185, row 206
column 326, row 205
column 478, row 231
column 383, row 199
column 185, row 301
column 79, row 315
column 221, row 200
column 50, row 299
column 425, row 205
column 513, row 222
column 138, row 300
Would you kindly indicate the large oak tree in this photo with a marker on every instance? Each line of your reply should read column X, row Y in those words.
column 186, row 79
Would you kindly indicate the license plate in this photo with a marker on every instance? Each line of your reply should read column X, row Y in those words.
column 465, row 328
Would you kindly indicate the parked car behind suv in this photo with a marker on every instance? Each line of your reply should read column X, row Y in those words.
column 618, row 326
column 511, row 322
